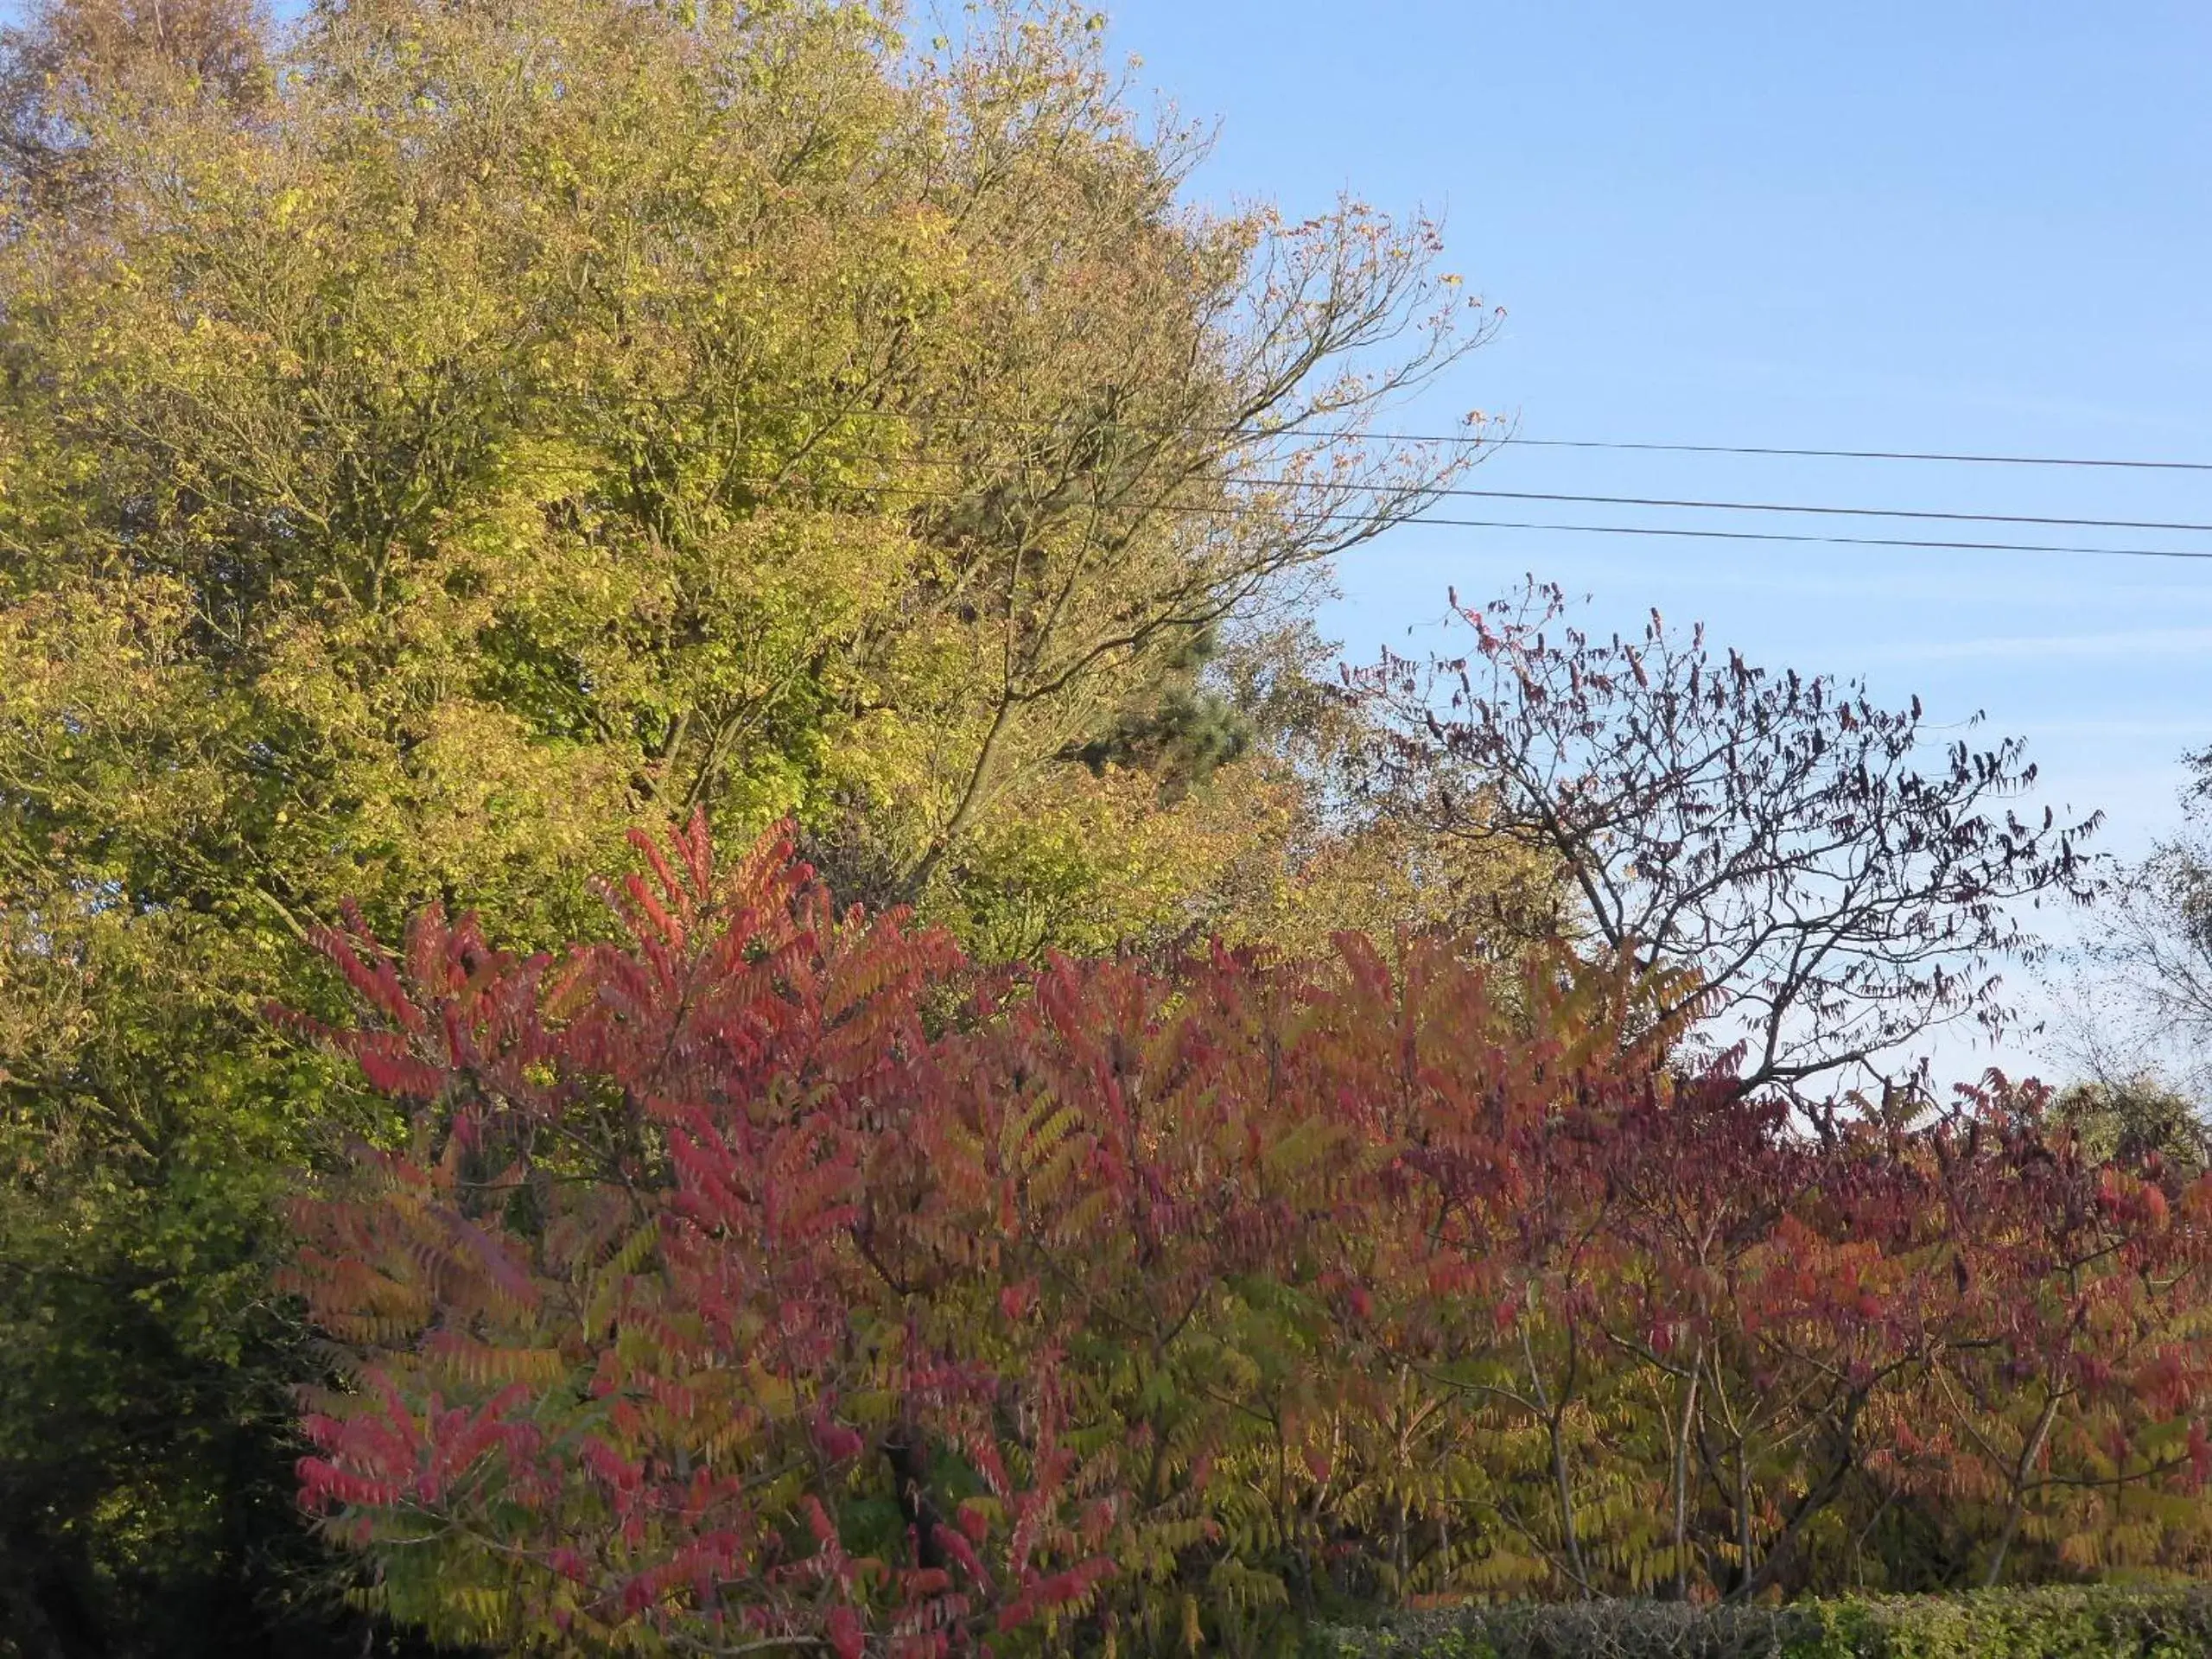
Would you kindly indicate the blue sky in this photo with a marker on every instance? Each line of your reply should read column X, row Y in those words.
column 1940, row 225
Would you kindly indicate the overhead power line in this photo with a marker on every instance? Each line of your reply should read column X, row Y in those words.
column 1848, row 512
column 1828, row 541
column 1351, row 487
column 1513, row 440
column 1230, row 509
column 1843, row 512
column 1850, row 455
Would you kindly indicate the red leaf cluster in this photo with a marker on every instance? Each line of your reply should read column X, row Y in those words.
column 773, row 1275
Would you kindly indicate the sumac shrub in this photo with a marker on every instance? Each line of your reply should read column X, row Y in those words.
column 772, row 1278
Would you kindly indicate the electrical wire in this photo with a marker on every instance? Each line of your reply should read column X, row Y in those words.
column 1464, row 492
column 1475, row 440
column 1858, row 454
column 1828, row 541
column 1850, row 512
column 1230, row 510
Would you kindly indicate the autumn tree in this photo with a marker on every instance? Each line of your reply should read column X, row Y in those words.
column 1838, row 887
column 760, row 1314
column 714, row 1299
column 73, row 67
column 435, row 436
column 2049, row 1405
column 770, row 1274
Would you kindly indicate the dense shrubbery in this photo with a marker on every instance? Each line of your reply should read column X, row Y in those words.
column 774, row 1277
column 2105, row 1623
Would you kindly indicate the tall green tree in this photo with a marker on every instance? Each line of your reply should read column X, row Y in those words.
column 435, row 437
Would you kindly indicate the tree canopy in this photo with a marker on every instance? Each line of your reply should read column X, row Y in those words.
column 1838, row 886
column 434, row 438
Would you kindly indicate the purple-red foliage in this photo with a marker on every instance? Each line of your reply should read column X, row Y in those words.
column 771, row 1276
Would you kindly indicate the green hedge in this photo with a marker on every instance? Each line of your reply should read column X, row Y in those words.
column 2098, row 1623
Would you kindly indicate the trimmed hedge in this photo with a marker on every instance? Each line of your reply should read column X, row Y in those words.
column 2103, row 1622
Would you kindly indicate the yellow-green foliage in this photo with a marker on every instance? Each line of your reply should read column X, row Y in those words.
column 451, row 434
column 554, row 412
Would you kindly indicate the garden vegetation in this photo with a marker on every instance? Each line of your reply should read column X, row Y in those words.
column 696, row 957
